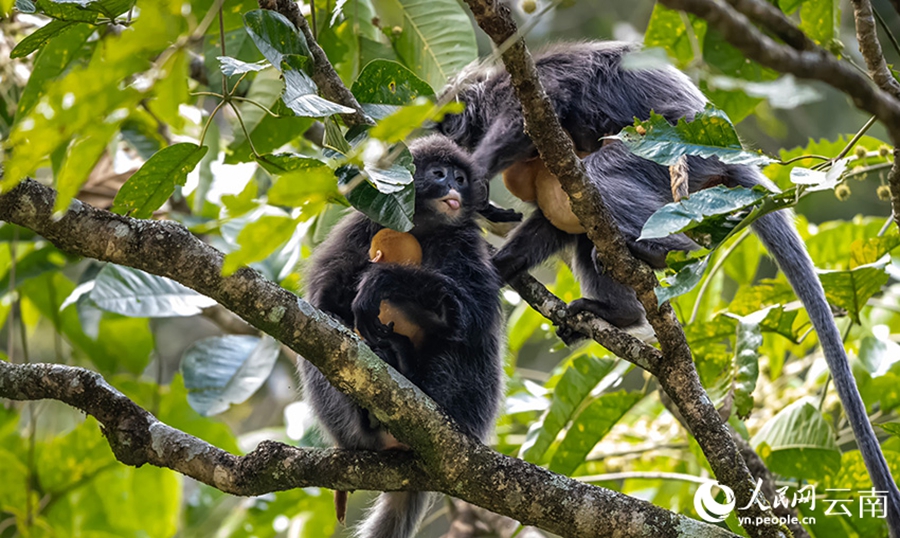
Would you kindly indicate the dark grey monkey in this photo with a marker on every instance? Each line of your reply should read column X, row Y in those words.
column 593, row 97
column 454, row 295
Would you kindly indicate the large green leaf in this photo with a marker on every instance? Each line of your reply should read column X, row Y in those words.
column 399, row 125
column 819, row 19
column 393, row 210
column 274, row 35
column 569, row 394
column 851, row 289
column 710, row 134
column 385, row 82
column 154, row 183
column 688, row 275
column 709, row 208
column 80, row 158
column 798, row 442
column 134, row 293
column 42, row 36
column 590, row 427
column 226, row 370
column 436, row 38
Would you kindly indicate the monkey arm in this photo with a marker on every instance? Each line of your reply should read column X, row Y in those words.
column 531, row 243
column 433, row 300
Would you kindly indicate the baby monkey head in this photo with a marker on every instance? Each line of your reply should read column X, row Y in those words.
column 449, row 189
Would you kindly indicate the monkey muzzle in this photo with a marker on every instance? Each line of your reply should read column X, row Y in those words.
column 451, row 203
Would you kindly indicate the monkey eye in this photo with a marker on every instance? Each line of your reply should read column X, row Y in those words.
column 461, row 179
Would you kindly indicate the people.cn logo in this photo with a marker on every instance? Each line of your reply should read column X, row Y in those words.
column 706, row 505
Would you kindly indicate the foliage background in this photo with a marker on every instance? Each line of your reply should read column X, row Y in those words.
column 577, row 410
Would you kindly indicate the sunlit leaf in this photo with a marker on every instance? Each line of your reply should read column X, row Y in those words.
column 389, row 83
column 300, row 96
column 851, row 289
column 666, row 29
column 154, row 183
column 232, row 66
column 259, row 239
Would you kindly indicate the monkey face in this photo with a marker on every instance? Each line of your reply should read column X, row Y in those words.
column 443, row 193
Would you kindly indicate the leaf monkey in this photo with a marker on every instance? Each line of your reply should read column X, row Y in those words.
column 594, row 96
column 453, row 296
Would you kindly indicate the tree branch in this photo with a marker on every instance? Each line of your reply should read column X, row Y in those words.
column 445, row 460
column 324, row 75
column 870, row 47
column 137, row 437
column 776, row 21
column 677, row 374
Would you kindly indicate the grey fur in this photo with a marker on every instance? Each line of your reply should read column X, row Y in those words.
column 594, row 97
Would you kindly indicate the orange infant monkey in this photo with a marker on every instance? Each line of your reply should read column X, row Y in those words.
column 391, row 246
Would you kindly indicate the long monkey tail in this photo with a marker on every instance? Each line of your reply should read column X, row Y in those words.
column 394, row 515
column 779, row 235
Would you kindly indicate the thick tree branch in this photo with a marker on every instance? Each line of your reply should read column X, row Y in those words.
column 870, row 47
column 324, row 75
column 137, row 437
column 815, row 65
column 676, row 373
column 445, row 461
column 775, row 21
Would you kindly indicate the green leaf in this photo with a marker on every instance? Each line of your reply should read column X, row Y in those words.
column 134, row 293
column 385, row 82
column 570, row 392
column 892, row 428
column 258, row 239
column 232, row 66
column 394, row 210
column 67, row 11
column 226, row 370
column 300, row 96
column 41, row 37
column 80, row 159
column 819, row 19
column 436, row 39
column 746, row 360
column 710, row 134
column 154, row 183
column 749, row 299
column 589, row 428
column 683, row 281
column 171, row 90
column 851, row 289
column 274, row 35
column 399, row 125
column 789, row 6
column 698, row 209
column 666, row 29
column 783, row 93
column 67, row 48
column 300, row 180
column 798, row 442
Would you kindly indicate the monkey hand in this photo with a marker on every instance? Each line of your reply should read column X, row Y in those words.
column 366, row 308
column 498, row 214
